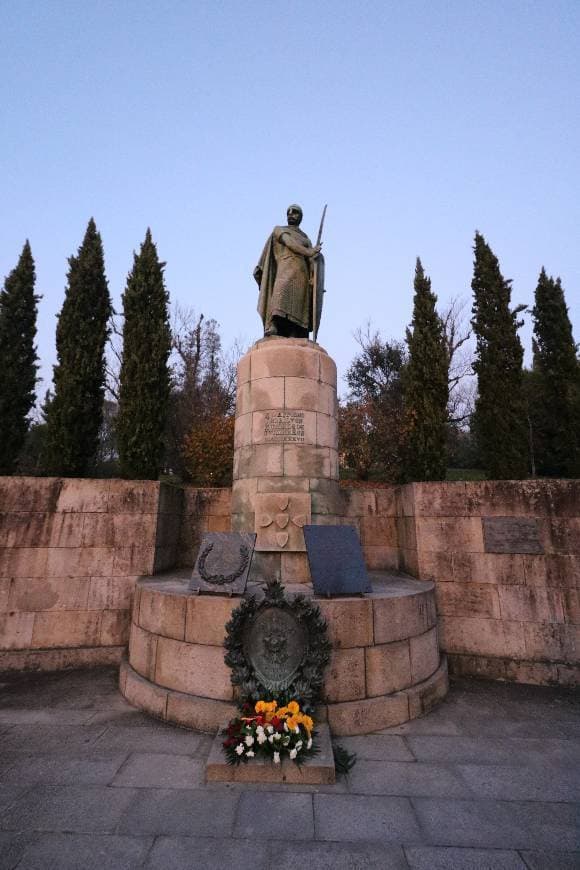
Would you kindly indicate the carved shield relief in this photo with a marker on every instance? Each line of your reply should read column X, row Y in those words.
column 275, row 644
column 280, row 518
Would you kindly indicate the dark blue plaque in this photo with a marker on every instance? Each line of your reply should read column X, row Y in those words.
column 336, row 560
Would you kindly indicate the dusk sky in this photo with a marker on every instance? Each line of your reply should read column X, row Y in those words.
column 417, row 122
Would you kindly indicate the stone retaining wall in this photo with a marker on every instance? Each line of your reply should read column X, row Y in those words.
column 70, row 553
column 512, row 615
column 71, row 550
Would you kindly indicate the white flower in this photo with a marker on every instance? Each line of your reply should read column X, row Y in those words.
column 277, row 737
column 250, row 753
column 276, row 758
column 285, row 726
column 261, row 738
column 270, row 729
column 293, row 754
column 260, row 730
column 285, row 741
column 297, row 730
column 249, row 740
column 298, row 746
column 271, row 738
column 309, row 744
column 240, row 748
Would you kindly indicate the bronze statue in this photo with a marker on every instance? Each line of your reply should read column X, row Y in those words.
column 290, row 276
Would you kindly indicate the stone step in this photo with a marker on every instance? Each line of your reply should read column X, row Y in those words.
column 316, row 771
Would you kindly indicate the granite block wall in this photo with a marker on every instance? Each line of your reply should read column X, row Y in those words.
column 505, row 558
column 70, row 553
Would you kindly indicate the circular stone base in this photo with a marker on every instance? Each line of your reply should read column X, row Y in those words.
column 385, row 666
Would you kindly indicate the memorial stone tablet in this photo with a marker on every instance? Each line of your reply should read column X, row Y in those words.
column 511, row 535
column 223, row 563
column 336, row 560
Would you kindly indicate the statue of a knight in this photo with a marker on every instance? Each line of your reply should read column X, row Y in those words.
column 289, row 271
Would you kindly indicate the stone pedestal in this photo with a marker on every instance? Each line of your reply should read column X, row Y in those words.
column 385, row 666
column 285, row 452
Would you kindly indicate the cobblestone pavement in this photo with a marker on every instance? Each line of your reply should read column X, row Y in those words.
column 490, row 779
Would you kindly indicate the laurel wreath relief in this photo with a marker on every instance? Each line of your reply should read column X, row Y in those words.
column 222, row 579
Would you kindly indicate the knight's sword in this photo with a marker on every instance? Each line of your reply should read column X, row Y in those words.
column 315, row 279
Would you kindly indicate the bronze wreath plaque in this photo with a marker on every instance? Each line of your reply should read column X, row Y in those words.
column 277, row 647
column 223, row 563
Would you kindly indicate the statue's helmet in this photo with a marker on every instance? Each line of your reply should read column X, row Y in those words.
column 296, row 207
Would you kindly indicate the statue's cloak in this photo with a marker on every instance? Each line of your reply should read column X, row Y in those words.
column 285, row 280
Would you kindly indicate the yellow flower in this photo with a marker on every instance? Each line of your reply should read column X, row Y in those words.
column 291, row 722
column 282, row 712
column 293, row 708
column 307, row 722
column 265, row 706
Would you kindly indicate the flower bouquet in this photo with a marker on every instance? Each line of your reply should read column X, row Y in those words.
column 269, row 731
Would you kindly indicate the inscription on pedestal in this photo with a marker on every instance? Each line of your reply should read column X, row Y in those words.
column 284, row 426
column 511, row 535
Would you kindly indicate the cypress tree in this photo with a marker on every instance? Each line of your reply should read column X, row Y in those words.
column 425, row 385
column 500, row 418
column 18, row 309
column 556, row 422
column 75, row 414
column 144, row 378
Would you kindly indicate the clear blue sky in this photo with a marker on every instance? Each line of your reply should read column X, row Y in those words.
column 417, row 122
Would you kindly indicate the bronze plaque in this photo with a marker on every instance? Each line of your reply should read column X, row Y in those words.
column 275, row 644
column 223, row 563
column 511, row 535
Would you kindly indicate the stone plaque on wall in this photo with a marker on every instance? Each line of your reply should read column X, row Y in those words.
column 511, row 535
column 280, row 518
column 223, row 563
column 285, row 426
column 336, row 560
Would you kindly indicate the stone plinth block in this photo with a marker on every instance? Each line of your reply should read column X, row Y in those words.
column 385, row 666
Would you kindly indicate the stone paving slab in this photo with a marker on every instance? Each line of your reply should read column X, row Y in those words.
column 489, row 780
column 63, row 771
column 542, row 782
column 431, row 858
column 83, row 852
column 552, row 860
column 157, row 770
column 494, row 750
column 375, row 747
column 195, row 853
column 410, row 780
column 499, row 824
column 13, row 844
column 277, row 816
column 178, row 811
column 67, row 808
column 361, row 817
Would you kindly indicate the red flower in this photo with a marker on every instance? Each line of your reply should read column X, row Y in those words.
column 276, row 722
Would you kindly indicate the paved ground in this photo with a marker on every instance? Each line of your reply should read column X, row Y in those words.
column 488, row 780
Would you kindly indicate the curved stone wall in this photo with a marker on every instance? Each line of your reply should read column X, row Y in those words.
column 385, row 666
